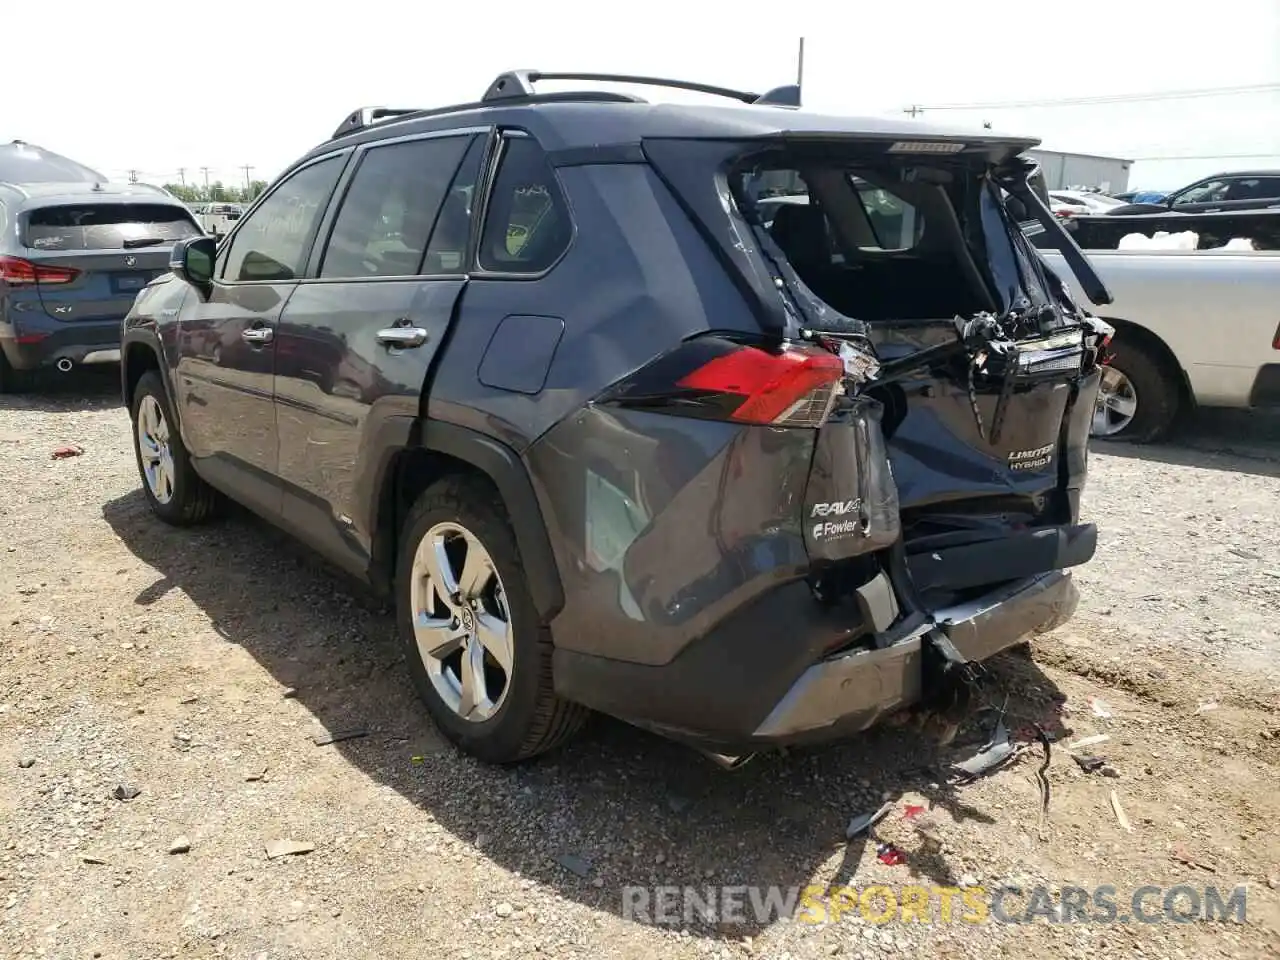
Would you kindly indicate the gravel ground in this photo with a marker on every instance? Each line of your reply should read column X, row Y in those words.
column 195, row 667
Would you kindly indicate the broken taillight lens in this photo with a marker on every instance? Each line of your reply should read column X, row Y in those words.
column 792, row 385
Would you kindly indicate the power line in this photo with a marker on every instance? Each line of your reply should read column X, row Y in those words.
column 1103, row 99
column 1216, row 156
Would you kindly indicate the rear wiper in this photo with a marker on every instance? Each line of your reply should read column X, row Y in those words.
column 135, row 242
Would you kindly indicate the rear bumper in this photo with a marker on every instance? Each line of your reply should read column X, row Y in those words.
column 850, row 692
column 722, row 694
column 92, row 342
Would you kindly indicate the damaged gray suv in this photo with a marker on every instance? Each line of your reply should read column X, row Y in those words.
column 744, row 424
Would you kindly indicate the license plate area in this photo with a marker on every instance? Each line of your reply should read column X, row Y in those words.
column 130, row 282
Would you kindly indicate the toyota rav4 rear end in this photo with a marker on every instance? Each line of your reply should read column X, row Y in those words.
column 784, row 531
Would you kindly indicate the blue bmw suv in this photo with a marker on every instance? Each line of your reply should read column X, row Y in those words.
column 74, row 252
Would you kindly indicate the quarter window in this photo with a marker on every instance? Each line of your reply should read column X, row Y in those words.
column 396, row 198
column 527, row 226
column 275, row 239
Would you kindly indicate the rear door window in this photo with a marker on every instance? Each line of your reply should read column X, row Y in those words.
column 1253, row 188
column 105, row 226
column 394, row 201
column 527, row 226
column 273, row 242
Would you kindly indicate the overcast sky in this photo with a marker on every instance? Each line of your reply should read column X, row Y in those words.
column 156, row 86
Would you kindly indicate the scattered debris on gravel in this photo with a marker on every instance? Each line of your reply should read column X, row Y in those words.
column 191, row 673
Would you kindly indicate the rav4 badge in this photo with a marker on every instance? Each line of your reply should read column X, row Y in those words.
column 836, row 508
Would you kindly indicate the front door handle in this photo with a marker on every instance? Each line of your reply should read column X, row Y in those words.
column 257, row 334
column 402, row 336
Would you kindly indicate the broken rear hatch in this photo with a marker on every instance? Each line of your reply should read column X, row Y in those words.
column 969, row 366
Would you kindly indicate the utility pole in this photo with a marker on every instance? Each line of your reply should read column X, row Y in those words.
column 133, row 176
column 182, row 175
column 206, row 178
column 914, row 110
column 246, row 168
column 800, row 66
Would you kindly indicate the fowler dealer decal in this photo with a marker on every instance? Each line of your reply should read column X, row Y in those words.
column 1031, row 459
column 838, row 528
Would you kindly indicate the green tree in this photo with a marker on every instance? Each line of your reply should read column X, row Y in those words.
column 184, row 192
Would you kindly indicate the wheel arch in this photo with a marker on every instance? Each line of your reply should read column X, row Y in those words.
column 140, row 351
column 434, row 449
column 1160, row 352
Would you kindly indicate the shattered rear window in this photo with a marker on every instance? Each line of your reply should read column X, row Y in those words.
column 874, row 242
column 103, row 226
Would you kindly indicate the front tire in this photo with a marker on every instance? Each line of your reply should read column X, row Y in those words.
column 478, row 655
column 174, row 491
column 1138, row 399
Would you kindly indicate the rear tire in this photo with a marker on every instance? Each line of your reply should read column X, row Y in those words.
column 11, row 380
column 174, row 491
column 524, row 717
column 1152, row 384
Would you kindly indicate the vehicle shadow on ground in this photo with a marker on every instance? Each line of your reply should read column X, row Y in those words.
column 1238, row 441
column 616, row 807
column 85, row 389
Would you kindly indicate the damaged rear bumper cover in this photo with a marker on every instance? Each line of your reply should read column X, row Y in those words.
column 854, row 690
column 762, row 680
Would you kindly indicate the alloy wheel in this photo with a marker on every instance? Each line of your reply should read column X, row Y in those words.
column 461, row 622
column 1116, row 406
column 154, row 450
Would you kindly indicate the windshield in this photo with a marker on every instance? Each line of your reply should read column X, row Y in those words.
column 103, row 226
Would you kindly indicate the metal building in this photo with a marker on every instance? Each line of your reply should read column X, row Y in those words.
column 1062, row 171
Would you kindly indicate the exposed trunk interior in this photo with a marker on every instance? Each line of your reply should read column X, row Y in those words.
column 873, row 245
column 910, row 249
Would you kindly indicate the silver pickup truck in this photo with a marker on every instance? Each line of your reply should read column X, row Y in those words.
column 1195, row 327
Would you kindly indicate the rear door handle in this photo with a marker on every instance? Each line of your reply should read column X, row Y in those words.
column 257, row 334
column 402, row 336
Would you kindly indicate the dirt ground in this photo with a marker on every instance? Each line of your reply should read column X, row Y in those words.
column 195, row 667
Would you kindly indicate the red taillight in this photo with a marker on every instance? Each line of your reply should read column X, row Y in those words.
column 15, row 271
column 1275, row 343
column 717, row 377
column 794, row 386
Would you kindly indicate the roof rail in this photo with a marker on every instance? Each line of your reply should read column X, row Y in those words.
column 517, row 84
column 368, row 116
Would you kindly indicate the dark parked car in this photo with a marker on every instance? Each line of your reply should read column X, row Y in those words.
column 1223, row 192
column 74, row 252
column 534, row 366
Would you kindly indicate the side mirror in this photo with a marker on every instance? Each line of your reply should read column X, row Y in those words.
column 192, row 260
